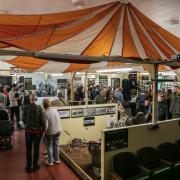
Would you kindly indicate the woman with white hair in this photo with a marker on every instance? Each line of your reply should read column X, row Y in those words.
column 52, row 132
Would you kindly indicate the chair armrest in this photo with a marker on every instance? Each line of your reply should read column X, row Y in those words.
column 167, row 163
column 142, row 176
column 163, row 167
column 115, row 176
column 144, row 169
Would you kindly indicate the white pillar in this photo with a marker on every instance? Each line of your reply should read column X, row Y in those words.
column 72, row 85
column 153, row 71
column 85, row 87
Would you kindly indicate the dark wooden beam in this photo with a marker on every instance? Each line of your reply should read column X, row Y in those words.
column 69, row 58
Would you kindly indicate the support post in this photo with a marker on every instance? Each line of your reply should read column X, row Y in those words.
column 72, row 85
column 155, row 91
column 85, row 87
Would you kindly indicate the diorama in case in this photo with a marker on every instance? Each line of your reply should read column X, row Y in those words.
column 64, row 114
column 76, row 113
column 111, row 110
column 89, row 112
column 100, row 111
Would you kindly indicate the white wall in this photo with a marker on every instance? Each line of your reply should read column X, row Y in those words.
column 76, row 128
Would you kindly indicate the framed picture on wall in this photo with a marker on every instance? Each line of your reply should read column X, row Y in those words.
column 111, row 110
column 89, row 112
column 76, row 113
column 65, row 113
column 100, row 111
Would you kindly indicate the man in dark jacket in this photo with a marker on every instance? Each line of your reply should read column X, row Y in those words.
column 175, row 102
column 34, row 128
column 162, row 107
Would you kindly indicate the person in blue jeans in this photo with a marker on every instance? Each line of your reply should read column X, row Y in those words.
column 34, row 128
column 52, row 132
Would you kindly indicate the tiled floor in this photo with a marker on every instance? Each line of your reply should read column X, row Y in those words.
column 12, row 164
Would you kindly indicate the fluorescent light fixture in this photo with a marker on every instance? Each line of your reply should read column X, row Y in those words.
column 144, row 73
column 61, row 74
column 114, row 70
column 91, row 76
column 168, row 73
column 79, row 73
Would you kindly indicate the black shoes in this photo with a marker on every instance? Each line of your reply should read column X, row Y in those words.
column 29, row 170
column 34, row 169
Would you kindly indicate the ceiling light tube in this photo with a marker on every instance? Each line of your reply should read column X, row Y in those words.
column 114, row 70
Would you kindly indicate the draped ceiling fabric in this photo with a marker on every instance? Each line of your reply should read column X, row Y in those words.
column 111, row 29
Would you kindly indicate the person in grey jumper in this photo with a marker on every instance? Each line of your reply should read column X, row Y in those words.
column 52, row 132
column 175, row 103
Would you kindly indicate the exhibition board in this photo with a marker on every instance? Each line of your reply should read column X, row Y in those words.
column 85, row 121
column 133, row 138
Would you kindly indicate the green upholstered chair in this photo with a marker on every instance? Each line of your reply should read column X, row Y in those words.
column 169, row 153
column 126, row 167
column 149, row 158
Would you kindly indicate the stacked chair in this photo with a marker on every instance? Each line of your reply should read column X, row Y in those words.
column 162, row 163
column 178, row 145
column 149, row 158
column 126, row 167
column 169, row 153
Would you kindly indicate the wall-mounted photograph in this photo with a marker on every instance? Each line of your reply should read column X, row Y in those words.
column 100, row 111
column 46, row 88
column 76, row 113
column 89, row 112
column 111, row 110
column 65, row 113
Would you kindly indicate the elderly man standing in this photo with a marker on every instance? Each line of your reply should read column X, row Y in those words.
column 175, row 103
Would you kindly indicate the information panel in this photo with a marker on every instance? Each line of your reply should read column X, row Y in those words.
column 116, row 139
column 89, row 121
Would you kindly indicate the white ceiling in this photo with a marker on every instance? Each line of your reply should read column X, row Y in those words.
column 161, row 11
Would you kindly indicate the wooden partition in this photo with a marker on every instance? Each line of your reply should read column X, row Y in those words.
column 74, row 124
column 137, row 137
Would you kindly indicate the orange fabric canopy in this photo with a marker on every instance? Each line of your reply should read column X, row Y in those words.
column 111, row 29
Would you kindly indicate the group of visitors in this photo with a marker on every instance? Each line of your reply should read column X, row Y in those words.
column 168, row 103
column 39, row 121
column 103, row 95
